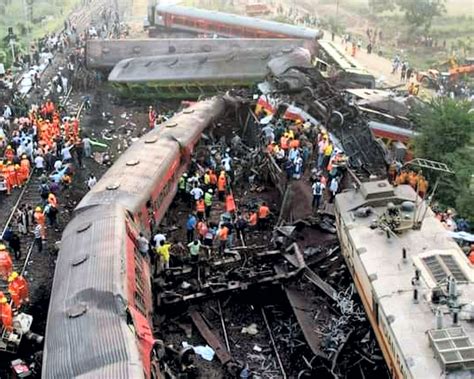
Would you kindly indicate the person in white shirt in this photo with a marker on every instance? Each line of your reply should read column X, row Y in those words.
column 333, row 188
column 318, row 189
column 57, row 165
column 92, row 181
column 197, row 193
column 39, row 163
column 66, row 153
column 143, row 245
column 158, row 238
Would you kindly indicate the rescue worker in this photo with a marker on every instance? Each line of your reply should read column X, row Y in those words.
column 208, row 202
column 253, row 220
column 221, row 185
column 6, row 263
column 40, row 220
column 18, row 289
column 422, row 186
column 9, row 153
column 222, row 236
column 163, row 252
column 182, row 187
column 6, row 314
column 263, row 215
column 194, row 248
column 230, row 203
column 327, row 154
column 213, row 179
column 402, row 178
column 200, row 209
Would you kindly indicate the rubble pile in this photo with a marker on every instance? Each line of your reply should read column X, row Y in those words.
column 278, row 302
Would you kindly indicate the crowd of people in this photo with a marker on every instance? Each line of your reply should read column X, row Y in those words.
column 214, row 220
column 46, row 144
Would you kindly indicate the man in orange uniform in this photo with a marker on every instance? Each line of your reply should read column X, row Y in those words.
column 230, row 203
column 263, row 214
column 222, row 236
column 212, row 179
column 200, row 208
column 24, row 170
column 41, row 220
column 6, row 314
column 12, row 177
column 221, row 183
column 9, row 153
column 5, row 174
column 6, row 263
column 18, row 289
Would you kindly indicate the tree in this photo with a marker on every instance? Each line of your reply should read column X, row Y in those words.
column 446, row 135
column 420, row 13
column 379, row 6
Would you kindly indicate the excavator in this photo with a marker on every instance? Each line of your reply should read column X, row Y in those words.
column 430, row 78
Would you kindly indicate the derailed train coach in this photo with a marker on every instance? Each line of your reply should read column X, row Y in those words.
column 100, row 314
column 171, row 16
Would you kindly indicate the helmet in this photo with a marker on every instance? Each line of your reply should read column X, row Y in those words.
column 38, row 209
column 185, row 175
column 3, row 299
column 209, row 190
column 2, row 246
column 13, row 276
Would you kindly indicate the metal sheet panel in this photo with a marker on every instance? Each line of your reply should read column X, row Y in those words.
column 86, row 334
column 210, row 67
column 105, row 54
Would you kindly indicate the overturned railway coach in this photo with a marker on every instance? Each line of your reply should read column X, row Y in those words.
column 225, row 24
column 100, row 314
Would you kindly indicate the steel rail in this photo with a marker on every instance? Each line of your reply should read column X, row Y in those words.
column 17, row 203
column 277, row 355
column 224, row 330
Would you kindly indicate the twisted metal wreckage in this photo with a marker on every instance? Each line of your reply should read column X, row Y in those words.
column 292, row 87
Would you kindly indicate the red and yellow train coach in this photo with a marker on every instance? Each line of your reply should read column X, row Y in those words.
column 100, row 315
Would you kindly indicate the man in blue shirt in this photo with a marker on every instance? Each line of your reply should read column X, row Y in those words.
column 190, row 226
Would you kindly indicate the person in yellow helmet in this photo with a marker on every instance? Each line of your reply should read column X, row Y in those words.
column 18, row 289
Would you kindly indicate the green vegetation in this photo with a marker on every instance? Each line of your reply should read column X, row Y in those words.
column 46, row 16
column 447, row 130
column 404, row 22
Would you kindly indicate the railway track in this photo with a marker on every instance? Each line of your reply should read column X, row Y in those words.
column 29, row 195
